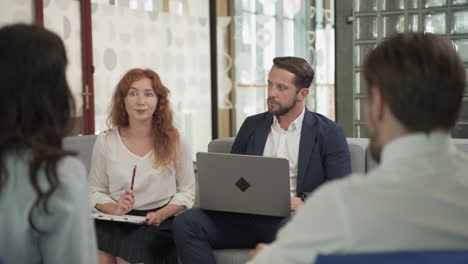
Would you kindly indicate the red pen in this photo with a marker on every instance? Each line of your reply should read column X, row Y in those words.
column 133, row 177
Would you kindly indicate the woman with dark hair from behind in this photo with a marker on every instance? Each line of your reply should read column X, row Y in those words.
column 44, row 214
column 141, row 135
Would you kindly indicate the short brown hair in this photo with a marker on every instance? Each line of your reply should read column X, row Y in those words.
column 421, row 77
column 166, row 136
column 300, row 67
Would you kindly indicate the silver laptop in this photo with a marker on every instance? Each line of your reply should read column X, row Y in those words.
column 244, row 184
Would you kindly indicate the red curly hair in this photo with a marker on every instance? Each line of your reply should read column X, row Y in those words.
column 166, row 136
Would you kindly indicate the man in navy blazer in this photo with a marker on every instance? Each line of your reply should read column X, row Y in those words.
column 315, row 147
column 323, row 150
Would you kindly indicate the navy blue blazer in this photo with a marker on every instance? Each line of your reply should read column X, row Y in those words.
column 323, row 150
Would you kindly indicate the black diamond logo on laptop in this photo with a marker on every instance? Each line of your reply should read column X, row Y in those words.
column 242, row 184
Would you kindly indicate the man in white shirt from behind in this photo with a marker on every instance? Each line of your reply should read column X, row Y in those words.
column 417, row 198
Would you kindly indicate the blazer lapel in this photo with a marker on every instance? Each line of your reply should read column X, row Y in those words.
column 306, row 145
column 261, row 134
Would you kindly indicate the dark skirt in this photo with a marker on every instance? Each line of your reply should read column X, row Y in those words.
column 137, row 243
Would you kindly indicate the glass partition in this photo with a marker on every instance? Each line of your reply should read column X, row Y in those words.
column 265, row 29
column 138, row 34
column 63, row 18
column 378, row 19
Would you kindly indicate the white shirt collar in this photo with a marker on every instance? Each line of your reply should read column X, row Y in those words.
column 412, row 145
column 296, row 124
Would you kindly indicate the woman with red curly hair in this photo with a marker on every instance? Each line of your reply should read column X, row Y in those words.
column 142, row 140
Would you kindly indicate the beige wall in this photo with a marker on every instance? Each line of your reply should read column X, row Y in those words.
column 18, row 11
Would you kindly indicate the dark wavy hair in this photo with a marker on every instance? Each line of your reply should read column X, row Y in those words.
column 166, row 136
column 35, row 107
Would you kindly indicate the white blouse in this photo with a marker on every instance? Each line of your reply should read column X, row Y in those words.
column 111, row 173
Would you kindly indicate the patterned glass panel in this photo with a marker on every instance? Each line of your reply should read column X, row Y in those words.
column 413, row 23
column 360, row 108
column 459, row 2
column 460, row 22
column 63, row 18
column 175, row 46
column 361, row 52
column 361, row 131
column 412, row 4
column 462, row 47
column 365, row 5
column 389, row 5
column 434, row 3
column 393, row 24
column 366, row 28
column 435, row 23
column 360, row 83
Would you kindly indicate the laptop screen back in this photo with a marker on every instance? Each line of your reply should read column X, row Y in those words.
column 244, row 184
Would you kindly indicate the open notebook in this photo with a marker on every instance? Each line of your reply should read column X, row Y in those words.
column 131, row 219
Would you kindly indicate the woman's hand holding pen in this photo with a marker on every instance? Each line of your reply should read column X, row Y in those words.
column 126, row 202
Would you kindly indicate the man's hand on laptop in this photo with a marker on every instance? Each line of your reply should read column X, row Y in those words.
column 257, row 250
column 296, row 202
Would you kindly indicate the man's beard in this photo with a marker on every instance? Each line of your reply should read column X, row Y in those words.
column 282, row 110
column 374, row 146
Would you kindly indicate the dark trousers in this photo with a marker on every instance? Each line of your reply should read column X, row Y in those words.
column 197, row 232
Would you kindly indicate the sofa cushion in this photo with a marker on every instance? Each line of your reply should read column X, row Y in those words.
column 422, row 257
column 231, row 256
column 357, row 149
column 221, row 145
